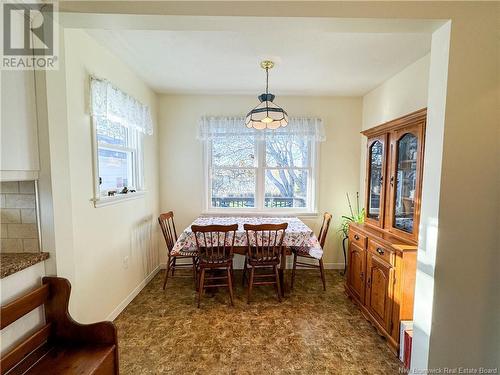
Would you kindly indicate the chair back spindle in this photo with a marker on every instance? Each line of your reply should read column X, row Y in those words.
column 215, row 242
column 324, row 229
column 265, row 242
column 167, row 225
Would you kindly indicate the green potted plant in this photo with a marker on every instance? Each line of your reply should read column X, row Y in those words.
column 355, row 217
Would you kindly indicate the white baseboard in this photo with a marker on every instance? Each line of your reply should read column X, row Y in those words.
column 133, row 294
column 328, row 266
column 334, row 266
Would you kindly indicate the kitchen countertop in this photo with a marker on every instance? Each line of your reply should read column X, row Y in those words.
column 11, row 263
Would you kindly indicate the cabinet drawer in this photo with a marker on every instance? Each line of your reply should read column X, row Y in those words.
column 381, row 251
column 357, row 239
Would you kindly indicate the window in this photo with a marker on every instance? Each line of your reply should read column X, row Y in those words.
column 119, row 158
column 233, row 175
column 120, row 123
column 267, row 171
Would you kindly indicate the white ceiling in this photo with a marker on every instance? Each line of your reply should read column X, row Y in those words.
column 310, row 60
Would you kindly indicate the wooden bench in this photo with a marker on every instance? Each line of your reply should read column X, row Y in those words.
column 61, row 346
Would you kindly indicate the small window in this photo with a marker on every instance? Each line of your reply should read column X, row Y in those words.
column 119, row 157
column 120, row 123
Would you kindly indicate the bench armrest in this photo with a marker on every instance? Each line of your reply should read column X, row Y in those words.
column 64, row 327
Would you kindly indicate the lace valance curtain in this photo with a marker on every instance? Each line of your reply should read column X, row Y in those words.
column 306, row 127
column 109, row 102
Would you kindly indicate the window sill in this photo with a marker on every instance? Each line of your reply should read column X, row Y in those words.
column 108, row 201
column 259, row 213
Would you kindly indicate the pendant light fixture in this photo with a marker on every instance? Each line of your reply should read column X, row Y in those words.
column 267, row 115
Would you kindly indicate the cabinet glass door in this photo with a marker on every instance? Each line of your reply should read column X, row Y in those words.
column 375, row 187
column 405, row 187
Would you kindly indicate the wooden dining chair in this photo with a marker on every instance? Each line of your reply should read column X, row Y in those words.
column 265, row 246
column 303, row 252
column 215, row 252
column 189, row 257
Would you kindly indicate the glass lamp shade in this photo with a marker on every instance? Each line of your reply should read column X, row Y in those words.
column 267, row 115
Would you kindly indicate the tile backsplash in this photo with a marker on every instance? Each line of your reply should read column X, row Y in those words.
column 19, row 229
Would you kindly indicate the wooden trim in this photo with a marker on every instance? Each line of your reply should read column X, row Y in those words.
column 372, row 262
column 30, row 360
column 392, row 343
column 395, row 124
column 391, row 132
column 14, row 356
column 60, row 333
column 382, row 138
column 407, row 281
column 418, row 130
column 23, row 305
column 358, row 296
column 392, row 240
column 67, row 329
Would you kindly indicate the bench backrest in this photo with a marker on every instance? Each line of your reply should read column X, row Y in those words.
column 16, row 309
column 60, row 330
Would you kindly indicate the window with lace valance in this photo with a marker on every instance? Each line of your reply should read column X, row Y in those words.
column 119, row 122
column 253, row 170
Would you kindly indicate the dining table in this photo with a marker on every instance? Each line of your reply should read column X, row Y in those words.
column 297, row 234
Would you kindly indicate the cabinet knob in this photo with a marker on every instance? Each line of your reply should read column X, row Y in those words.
column 369, row 282
column 380, row 250
column 361, row 276
column 392, row 180
column 356, row 237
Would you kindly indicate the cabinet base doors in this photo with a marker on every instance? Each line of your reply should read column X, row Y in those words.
column 379, row 285
column 381, row 279
column 357, row 271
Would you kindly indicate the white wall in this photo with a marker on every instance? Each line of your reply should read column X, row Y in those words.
column 403, row 93
column 429, row 214
column 181, row 171
column 466, row 303
column 106, row 252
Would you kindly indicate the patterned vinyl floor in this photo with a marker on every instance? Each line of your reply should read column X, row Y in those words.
column 310, row 332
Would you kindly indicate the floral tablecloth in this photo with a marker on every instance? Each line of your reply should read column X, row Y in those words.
column 297, row 234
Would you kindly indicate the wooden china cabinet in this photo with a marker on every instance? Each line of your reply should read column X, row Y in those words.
column 383, row 251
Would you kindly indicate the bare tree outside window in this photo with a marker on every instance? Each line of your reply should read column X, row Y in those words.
column 287, row 160
column 233, row 171
column 282, row 161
